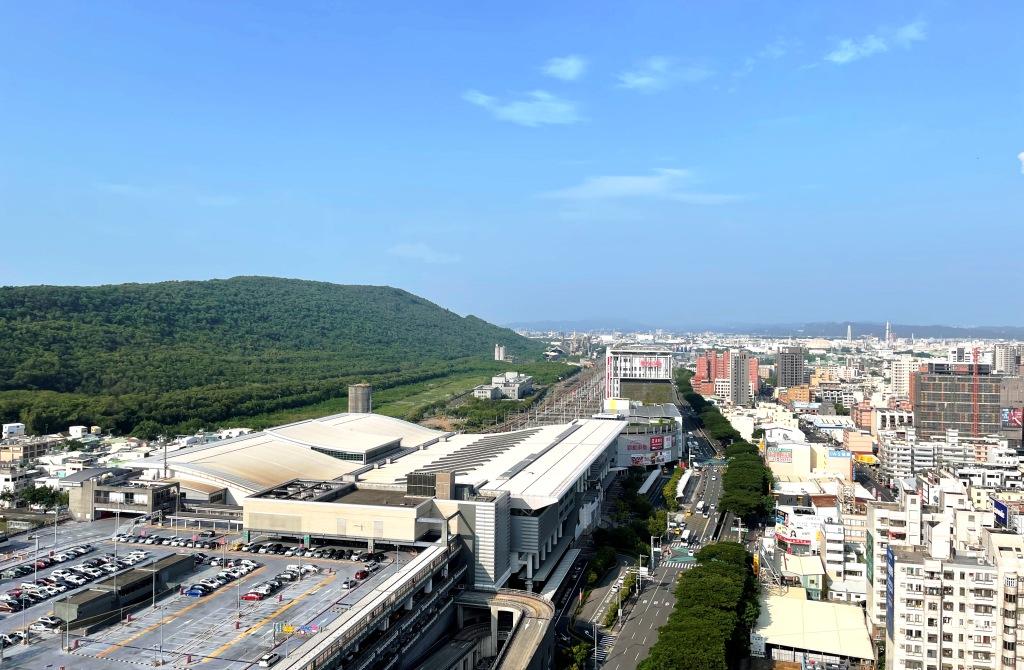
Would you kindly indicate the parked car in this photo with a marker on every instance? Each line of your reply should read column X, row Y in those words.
column 361, row 574
column 268, row 660
column 349, row 584
column 253, row 595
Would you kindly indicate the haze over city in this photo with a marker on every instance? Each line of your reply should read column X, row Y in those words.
column 528, row 161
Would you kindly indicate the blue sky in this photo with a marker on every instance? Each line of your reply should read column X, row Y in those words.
column 670, row 162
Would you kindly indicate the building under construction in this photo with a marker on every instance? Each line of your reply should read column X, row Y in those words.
column 967, row 397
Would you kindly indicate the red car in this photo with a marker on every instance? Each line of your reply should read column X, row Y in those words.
column 252, row 595
column 362, row 574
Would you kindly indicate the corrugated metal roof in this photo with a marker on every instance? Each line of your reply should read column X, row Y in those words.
column 816, row 626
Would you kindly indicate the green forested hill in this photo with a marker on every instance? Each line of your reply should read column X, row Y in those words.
column 199, row 351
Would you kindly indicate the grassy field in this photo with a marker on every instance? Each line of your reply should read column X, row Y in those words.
column 403, row 401
column 400, row 403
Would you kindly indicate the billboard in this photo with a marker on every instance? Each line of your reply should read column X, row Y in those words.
column 1011, row 417
column 657, row 442
column 654, row 458
column 1001, row 511
column 779, row 455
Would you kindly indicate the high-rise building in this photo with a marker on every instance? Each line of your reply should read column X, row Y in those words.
column 950, row 595
column 739, row 378
column 1006, row 358
column 958, row 396
column 900, row 369
column 499, row 352
column 789, row 366
column 849, row 332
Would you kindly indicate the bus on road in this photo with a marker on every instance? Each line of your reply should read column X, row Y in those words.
column 700, row 506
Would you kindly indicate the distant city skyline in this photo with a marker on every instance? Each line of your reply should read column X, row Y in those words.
column 702, row 163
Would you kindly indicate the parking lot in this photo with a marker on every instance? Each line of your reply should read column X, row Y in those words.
column 220, row 629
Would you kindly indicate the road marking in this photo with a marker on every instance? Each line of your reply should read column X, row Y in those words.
column 170, row 617
column 249, row 631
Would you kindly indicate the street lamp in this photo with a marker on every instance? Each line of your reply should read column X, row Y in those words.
column 55, row 515
column 35, row 560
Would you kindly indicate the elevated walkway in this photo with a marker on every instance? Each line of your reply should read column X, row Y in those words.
column 529, row 644
column 344, row 641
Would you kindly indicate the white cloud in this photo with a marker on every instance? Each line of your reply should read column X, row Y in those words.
column 659, row 73
column 910, row 33
column 538, row 108
column 773, row 51
column 424, row 253
column 1020, row 157
column 850, row 50
column 566, row 68
column 663, row 184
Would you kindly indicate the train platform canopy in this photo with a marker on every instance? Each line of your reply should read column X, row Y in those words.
column 325, row 448
column 536, row 466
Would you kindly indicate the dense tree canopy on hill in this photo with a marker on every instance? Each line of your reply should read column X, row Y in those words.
column 174, row 352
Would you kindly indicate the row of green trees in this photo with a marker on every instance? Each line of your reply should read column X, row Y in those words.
column 747, row 482
column 716, row 426
column 619, row 600
column 46, row 496
column 716, row 607
column 668, row 492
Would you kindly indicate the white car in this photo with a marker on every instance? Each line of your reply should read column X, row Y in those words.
column 268, row 660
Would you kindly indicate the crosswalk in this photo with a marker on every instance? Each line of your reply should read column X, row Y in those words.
column 604, row 646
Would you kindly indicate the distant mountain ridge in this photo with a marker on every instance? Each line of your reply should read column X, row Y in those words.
column 202, row 351
column 829, row 329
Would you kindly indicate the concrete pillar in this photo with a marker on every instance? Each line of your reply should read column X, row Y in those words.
column 408, row 604
column 428, row 586
column 460, row 619
column 494, row 632
column 384, row 624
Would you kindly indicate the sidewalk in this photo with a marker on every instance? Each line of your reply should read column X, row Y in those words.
column 600, row 592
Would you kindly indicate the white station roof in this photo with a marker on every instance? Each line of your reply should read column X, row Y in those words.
column 536, row 466
column 301, row 450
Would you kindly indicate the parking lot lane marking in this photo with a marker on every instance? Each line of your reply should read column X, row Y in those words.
column 273, row 615
column 170, row 617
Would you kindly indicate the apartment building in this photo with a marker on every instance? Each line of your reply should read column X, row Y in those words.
column 903, row 454
column 789, row 366
column 956, row 612
column 900, row 369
